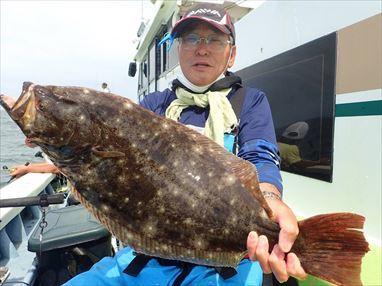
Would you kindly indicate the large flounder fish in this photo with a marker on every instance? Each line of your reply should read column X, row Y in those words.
column 169, row 191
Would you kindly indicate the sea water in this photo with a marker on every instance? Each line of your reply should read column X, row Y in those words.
column 13, row 150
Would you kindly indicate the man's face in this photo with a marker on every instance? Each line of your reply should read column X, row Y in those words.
column 203, row 64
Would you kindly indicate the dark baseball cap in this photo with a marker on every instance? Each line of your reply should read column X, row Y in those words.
column 212, row 14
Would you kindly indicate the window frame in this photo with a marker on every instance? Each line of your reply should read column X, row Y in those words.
column 285, row 72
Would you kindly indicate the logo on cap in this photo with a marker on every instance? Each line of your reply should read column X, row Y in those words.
column 204, row 11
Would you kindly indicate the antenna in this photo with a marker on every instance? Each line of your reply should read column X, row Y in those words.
column 141, row 10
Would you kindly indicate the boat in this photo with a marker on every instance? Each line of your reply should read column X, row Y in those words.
column 319, row 63
column 17, row 223
column 46, row 237
column 331, row 50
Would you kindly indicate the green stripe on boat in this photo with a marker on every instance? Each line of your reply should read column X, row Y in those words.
column 359, row 108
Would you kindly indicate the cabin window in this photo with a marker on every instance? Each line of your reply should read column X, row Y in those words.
column 170, row 56
column 143, row 76
column 173, row 55
column 140, row 78
column 165, row 59
column 152, row 59
column 162, row 50
column 300, row 86
column 163, row 56
column 153, row 65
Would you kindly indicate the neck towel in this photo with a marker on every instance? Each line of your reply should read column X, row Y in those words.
column 221, row 119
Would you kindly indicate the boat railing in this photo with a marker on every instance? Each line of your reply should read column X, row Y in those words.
column 18, row 223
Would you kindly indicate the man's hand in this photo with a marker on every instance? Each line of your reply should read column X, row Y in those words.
column 19, row 171
column 281, row 264
column 44, row 167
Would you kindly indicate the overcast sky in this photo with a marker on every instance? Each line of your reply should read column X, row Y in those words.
column 78, row 43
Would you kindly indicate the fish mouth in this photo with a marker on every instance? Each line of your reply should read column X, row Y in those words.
column 23, row 112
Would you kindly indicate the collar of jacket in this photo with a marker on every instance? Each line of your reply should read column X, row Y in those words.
column 228, row 81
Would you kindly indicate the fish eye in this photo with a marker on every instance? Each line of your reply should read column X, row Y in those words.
column 40, row 105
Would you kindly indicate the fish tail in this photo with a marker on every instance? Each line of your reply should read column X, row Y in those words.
column 331, row 247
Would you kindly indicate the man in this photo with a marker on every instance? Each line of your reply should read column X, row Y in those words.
column 199, row 98
column 291, row 142
column 288, row 143
column 20, row 170
column 104, row 87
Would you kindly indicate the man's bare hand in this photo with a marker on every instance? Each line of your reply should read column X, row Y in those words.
column 279, row 261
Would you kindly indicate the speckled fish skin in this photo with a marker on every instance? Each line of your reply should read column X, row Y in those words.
column 169, row 191
column 157, row 185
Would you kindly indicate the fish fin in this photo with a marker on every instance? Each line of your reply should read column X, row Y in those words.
column 152, row 247
column 331, row 247
column 247, row 174
column 107, row 154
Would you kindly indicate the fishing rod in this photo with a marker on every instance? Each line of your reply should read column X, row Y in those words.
column 42, row 200
column 11, row 170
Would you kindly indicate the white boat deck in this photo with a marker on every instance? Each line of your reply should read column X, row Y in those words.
column 17, row 224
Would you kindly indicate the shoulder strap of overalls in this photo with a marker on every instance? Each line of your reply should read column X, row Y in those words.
column 237, row 101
